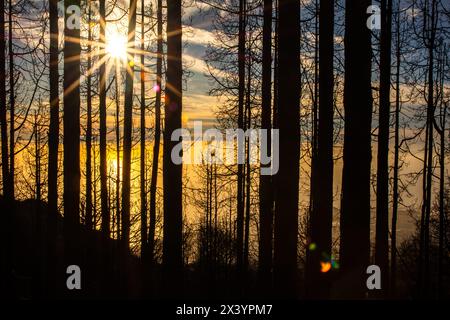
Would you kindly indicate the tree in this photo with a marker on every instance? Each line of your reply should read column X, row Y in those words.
column 143, row 192
column 172, row 173
column 105, row 227
column 157, row 139
column 7, row 192
column 440, row 128
column 382, row 213
column 395, row 186
column 265, row 182
column 429, row 39
column 12, row 101
column 88, row 215
column 355, row 207
column 71, row 141
column 286, row 214
column 322, row 189
column 127, row 134
column 53, row 140
column 4, row 124
column 240, row 173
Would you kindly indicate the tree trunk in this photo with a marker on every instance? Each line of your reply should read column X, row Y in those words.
column 286, row 216
column 117, row 185
column 265, row 181
column 157, row 139
column 395, row 195
column 3, row 121
column 240, row 173
column 172, row 173
column 247, row 182
column 105, row 225
column 71, row 196
column 127, row 134
column 88, row 216
column 321, row 220
column 143, row 192
column 441, row 207
column 6, row 253
column 355, row 208
column 53, row 144
column 12, row 103
column 382, row 213
column 424, row 249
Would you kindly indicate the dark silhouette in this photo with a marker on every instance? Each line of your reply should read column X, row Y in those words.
column 127, row 130
column 172, row 174
column 142, row 159
column 321, row 219
column 355, row 207
column 12, row 101
column 240, row 125
column 395, row 184
column 382, row 215
column 286, row 210
column 157, row 141
column 102, row 111
column 71, row 163
column 53, row 142
column 265, row 182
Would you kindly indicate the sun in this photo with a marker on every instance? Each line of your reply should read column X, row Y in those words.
column 116, row 46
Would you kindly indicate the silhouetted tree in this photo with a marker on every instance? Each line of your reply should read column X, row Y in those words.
column 172, row 173
column 157, row 138
column 322, row 186
column 53, row 142
column 430, row 18
column 71, row 164
column 88, row 213
column 382, row 213
column 286, row 211
column 265, row 182
column 12, row 101
column 105, row 227
column 395, row 186
column 240, row 173
column 128, row 123
column 4, row 124
column 355, row 206
column 143, row 192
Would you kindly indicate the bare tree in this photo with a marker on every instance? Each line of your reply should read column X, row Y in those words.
column 322, row 188
column 355, row 206
column 382, row 213
column 265, row 182
column 172, row 173
column 88, row 214
column 53, row 140
column 157, row 138
column 71, row 141
column 287, row 179
column 240, row 173
column 128, row 123
column 103, row 131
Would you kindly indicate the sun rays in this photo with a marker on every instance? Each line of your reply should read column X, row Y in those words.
column 116, row 46
column 117, row 50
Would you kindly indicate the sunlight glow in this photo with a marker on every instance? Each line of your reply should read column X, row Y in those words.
column 116, row 46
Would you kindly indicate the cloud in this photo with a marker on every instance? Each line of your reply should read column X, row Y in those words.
column 200, row 36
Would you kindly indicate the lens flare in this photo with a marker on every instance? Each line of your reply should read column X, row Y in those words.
column 325, row 267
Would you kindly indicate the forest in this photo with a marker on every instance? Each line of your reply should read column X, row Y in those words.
column 113, row 182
